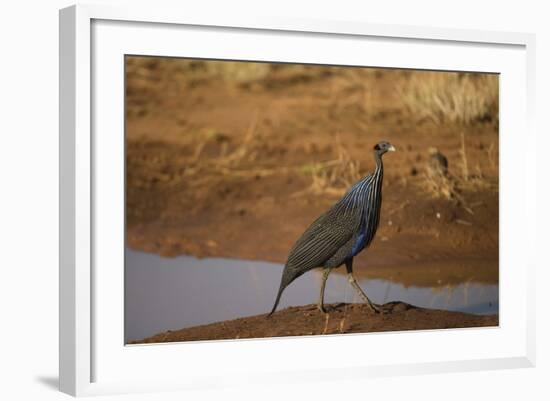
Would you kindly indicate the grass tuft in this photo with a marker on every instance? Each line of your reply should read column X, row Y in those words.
column 238, row 71
column 333, row 177
column 451, row 185
column 444, row 97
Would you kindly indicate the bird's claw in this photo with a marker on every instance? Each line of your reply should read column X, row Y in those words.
column 380, row 309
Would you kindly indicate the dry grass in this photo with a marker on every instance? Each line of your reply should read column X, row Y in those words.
column 438, row 185
column 474, row 179
column 451, row 186
column 238, row 72
column 439, row 96
column 239, row 161
column 333, row 177
column 155, row 70
column 443, row 97
column 151, row 72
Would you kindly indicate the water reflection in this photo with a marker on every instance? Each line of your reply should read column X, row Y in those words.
column 172, row 293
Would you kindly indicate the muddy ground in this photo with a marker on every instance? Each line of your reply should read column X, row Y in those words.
column 226, row 166
column 341, row 319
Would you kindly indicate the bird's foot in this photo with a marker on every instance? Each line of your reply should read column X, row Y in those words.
column 378, row 309
column 381, row 309
column 374, row 308
column 322, row 309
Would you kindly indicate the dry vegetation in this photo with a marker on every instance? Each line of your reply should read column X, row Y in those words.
column 333, row 177
column 452, row 186
column 238, row 72
column 451, row 97
column 443, row 98
column 254, row 135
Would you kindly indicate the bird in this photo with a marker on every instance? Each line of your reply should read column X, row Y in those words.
column 438, row 163
column 340, row 233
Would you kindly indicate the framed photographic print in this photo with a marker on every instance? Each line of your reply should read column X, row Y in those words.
column 308, row 193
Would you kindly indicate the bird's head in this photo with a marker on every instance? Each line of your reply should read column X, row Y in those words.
column 383, row 147
column 433, row 151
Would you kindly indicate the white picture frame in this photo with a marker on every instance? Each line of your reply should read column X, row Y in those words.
column 91, row 352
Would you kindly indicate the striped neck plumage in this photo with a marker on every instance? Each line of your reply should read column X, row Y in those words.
column 378, row 174
column 379, row 166
column 369, row 184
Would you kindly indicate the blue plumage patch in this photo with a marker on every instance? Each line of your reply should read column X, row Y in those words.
column 360, row 242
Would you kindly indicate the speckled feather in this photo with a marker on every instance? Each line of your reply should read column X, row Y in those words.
column 341, row 232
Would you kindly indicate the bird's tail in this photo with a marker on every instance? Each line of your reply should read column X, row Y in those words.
column 286, row 278
column 281, row 288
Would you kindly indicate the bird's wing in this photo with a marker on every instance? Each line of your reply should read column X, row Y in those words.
column 322, row 240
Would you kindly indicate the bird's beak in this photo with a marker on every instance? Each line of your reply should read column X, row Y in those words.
column 391, row 149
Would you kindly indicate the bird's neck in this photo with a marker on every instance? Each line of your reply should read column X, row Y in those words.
column 379, row 166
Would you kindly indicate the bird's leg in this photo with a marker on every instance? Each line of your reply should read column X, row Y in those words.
column 322, row 294
column 363, row 296
column 353, row 282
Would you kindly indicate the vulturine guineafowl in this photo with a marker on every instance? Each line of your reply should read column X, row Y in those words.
column 339, row 234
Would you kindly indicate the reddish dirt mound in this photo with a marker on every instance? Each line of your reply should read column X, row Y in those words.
column 342, row 318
